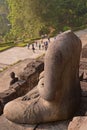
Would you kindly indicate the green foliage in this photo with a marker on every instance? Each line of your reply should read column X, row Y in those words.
column 65, row 28
column 31, row 18
column 4, row 28
column 6, row 45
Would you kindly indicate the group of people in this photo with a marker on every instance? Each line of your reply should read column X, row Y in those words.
column 41, row 45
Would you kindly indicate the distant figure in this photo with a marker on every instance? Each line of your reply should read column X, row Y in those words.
column 36, row 43
column 55, row 38
column 33, row 48
column 39, row 46
column 49, row 39
column 46, row 45
column 14, row 79
column 42, row 41
column 42, row 47
column 28, row 45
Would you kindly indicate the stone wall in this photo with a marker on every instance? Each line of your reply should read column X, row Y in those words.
column 28, row 80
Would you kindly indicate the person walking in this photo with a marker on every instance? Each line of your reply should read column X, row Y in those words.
column 28, row 45
column 39, row 46
column 33, row 48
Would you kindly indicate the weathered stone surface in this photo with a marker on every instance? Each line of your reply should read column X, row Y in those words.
column 84, row 51
column 56, row 93
column 7, row 125
column 28, row 80
column 83, row 64
column 61, row 125
column 31, row 72
column 16, row 90
column 82, row 111
column 84, row 89
column 83, row 69
column 78, row 123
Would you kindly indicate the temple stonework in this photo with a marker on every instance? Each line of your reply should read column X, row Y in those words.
column 57, row 95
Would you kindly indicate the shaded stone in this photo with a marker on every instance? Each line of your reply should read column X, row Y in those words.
column 83, row 69
column 57, row 91
column 60, row 125
column 31, row 72
column 16, row 90
column 82, row 111
column 79, row 122
column 84, row 51
column 83, row 64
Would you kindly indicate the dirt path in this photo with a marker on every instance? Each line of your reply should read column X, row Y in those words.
column 83, row 36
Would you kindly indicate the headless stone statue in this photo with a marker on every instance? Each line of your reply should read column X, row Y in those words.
column 14, row 79
column 57, row 95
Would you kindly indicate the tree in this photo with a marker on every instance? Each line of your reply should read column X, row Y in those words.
column 4, row 28
column 31, row 17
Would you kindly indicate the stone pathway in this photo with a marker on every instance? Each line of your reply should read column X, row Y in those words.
column 82, row 34
column 16, row 54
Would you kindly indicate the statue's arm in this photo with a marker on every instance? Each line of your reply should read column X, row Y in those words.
column 44, row 92
column 31, row 94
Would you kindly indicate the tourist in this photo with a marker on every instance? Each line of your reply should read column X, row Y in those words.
column 42, row 46
column 33, row 48
column 39, row 46
column 36, row 43
column 49, row 39
column 46, row 45
column 28, row 45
